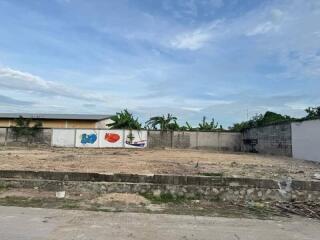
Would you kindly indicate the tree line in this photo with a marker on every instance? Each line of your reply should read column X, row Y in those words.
column 126, row 120
column 272, row 118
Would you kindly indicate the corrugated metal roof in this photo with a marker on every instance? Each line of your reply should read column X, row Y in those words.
column 56, row 116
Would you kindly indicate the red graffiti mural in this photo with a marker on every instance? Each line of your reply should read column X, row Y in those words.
column 112, row 137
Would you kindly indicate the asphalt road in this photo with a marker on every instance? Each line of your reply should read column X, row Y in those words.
column 33, row 223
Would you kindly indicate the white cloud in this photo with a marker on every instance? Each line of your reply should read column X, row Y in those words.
column 192, row 41
column 271, row 21
column 195, row 39
column 23, row 81
column 263, row 28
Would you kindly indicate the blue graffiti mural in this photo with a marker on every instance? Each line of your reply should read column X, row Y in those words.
column 88, row 138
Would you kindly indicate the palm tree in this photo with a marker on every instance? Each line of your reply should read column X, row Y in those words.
column 208, row 126
column 188, row 127
column 168, row 122
column 124, row 120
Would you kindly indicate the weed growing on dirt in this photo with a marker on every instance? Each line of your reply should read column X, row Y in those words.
column 213, row 174
column 164, row 198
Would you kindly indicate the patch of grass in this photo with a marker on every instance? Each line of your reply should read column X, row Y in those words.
column 2, row 188
column 164, row 198
column 39, row 202
column 20, row 201
column 70, row 205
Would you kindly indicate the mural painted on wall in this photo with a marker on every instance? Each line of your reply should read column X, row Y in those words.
column 87, row 138
column 135, row 139
column 111, row 138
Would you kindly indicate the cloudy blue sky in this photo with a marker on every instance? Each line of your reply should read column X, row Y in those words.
column 219, row 58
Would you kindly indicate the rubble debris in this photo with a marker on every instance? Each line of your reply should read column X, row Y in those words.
column 306, row 209
column 316, row 176
column 60, row 194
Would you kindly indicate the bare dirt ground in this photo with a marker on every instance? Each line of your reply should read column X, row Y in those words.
column 149, row 161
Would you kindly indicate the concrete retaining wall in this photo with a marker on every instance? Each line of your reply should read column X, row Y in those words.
column 272, row 139
column 200, row 187
column 306, row 140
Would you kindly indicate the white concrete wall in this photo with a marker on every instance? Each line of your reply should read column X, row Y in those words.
column 63, row 137
column 103, row 138
column 208, row 140
column 306, row 140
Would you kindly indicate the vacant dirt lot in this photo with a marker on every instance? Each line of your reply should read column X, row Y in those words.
column 149, row 161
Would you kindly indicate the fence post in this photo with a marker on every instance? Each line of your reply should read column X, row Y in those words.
column 51, row 137
column 197, row 139
column 171, row 139
column 123, row 138
column 75, row 138
column 6, row 137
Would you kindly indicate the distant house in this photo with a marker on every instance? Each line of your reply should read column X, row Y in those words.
column 59, row 120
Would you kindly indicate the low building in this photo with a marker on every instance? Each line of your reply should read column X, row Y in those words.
column 59, row 120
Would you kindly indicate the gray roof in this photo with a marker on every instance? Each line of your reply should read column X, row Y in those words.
column 96, row 117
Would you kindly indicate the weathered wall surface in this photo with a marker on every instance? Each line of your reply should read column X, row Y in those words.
column 199, row 187
column 306, row 140
column 230, row 141
column 43, row 137
column 63, row 137
column 159, row 139
column 272, row 139
column 184, row 140
column 46, row 136
column 3, row 132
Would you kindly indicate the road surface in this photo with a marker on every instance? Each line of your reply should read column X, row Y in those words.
column 33, row 223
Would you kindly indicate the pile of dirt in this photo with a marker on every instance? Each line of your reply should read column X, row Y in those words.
column 126, row 198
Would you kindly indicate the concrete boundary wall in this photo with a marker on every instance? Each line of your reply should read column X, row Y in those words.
column 306, row 140
column 199, row 187
column 7, row 137
column 63, row 137
column 273, row 139
column 99, row 138
column 3, row 136
column 104, row 138
column 228, row 141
